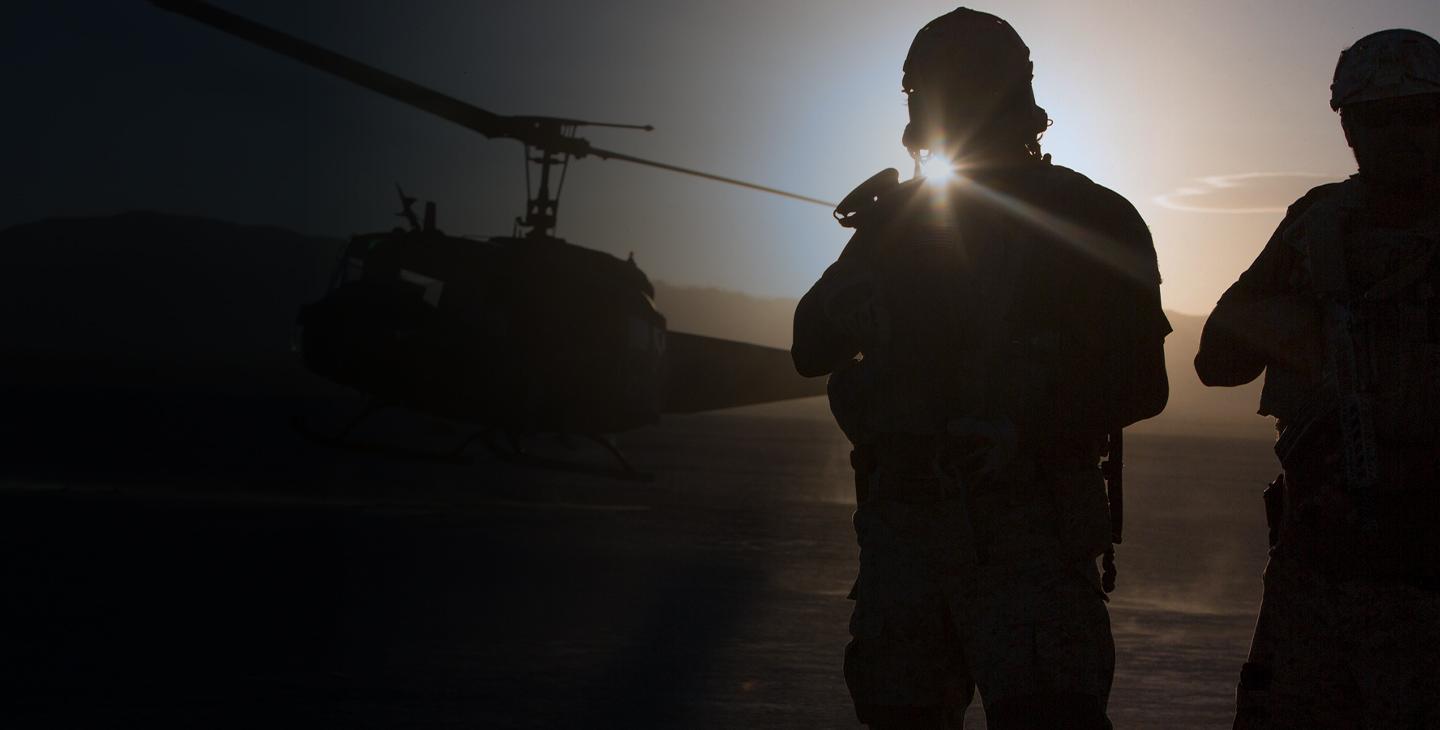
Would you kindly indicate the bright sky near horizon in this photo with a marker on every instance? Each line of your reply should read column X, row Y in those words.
column 1210, row 116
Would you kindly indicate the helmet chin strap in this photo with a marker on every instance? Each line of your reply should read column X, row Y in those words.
column 977, row 154
column 913, row 145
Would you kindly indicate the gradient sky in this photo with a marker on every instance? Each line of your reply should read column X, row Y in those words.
column 1210, row 116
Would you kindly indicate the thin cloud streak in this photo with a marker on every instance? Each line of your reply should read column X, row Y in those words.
column 1189, row 199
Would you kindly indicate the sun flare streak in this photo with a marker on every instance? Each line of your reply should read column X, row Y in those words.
column 1100, row 247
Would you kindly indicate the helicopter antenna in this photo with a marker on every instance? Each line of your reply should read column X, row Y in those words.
column 406, row 202
column 551, row 140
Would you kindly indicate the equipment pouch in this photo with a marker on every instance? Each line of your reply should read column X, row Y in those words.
column 862, row 460
column 1274, row 496
column 1082, row 512
column 1404, row 368
column 1400, row 362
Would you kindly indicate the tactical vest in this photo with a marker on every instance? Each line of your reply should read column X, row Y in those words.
column 945, row 282
column 1387, row 281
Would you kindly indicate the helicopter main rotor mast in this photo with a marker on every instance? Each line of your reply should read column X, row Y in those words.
column 553, row 138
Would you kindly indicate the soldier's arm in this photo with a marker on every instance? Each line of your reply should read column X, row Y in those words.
column 1137, row 386
column 839, row 314
column 823, row 340
column 1112, row 370
column 1259, row 320
column 1150, row 384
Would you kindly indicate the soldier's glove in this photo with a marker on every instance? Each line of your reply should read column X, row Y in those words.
column 855, row 311
column 981, row 447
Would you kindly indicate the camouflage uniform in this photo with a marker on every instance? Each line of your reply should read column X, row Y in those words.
column 1026, row 297
column 933, row 620
column 1349, row 628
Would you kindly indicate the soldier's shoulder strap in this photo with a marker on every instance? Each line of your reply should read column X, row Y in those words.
column 874, row 199
column 1315, row 228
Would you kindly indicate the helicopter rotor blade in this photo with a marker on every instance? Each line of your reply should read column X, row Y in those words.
column 539, row 132
column 408, row 92
column 608, row 155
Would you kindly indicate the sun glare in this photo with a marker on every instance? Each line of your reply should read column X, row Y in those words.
column 937, row 170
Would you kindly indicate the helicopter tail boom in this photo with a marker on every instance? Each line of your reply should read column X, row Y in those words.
column 708, row 373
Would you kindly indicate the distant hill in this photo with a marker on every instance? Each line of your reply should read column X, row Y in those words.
column 1193, row 406
column 155, row 299
column 152, row 299
column 728, row 314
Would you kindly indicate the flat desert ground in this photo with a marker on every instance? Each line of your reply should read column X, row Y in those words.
column 170, row 577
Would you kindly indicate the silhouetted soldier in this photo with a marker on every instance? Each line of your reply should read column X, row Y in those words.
column 1340, row 310
column 983, row 335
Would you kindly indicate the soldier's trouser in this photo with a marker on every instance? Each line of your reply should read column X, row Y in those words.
column 933, row 621
column 1337, row 655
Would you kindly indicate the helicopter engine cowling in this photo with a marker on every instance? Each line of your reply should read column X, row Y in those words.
column 524, row 335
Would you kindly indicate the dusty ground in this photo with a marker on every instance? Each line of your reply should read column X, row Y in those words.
column 261, row 582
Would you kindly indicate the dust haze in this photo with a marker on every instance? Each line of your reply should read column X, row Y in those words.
column 149, row 387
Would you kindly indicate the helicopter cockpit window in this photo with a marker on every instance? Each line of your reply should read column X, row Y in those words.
column 431, row 287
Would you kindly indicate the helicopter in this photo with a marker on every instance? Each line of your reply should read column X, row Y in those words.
column 517, row 335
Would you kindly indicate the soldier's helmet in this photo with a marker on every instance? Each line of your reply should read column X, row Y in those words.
column 978, row 60
column 1386, row 65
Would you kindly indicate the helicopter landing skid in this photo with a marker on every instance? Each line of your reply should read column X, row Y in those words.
column 516, row 454
column 342, row 440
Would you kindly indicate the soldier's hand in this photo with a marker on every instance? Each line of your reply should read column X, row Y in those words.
column 1288, row 330
column 984, row 447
